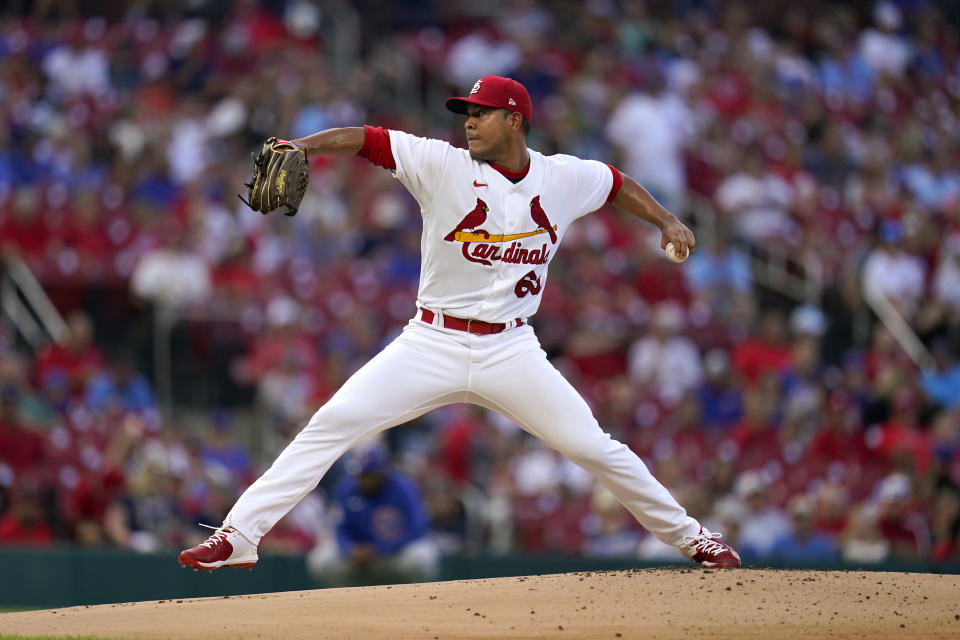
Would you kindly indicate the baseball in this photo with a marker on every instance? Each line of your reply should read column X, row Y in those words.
column 672, row 254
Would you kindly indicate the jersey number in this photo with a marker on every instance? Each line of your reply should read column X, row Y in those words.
column 529, row 283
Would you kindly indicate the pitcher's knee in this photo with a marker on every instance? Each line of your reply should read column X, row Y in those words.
column 589, row 452
column 336, row 420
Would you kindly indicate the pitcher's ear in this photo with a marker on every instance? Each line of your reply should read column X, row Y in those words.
column 516, row 120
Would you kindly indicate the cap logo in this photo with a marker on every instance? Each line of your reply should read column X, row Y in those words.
column 476, row 87
column 512, row 102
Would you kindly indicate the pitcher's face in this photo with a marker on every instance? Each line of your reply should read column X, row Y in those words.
column 488, row 131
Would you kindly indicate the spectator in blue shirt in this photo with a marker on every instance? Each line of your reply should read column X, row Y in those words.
column 719, row 275
column 941, row 382
column 804, row 544
column 120, row 388
column 382, row 534
column 222, row 450
column 720, row 394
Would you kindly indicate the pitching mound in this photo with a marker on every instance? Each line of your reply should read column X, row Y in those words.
column 651, row 603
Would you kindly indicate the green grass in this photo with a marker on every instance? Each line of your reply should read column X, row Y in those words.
column 8, row 637
column 5, row 637
column 16, row 609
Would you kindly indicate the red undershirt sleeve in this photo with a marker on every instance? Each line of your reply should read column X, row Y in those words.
column 376, row 147
column 617, row 183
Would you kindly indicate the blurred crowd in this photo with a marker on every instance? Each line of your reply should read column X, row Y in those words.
column 826, row 133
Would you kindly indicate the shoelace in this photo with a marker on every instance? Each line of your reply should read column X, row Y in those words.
column 706, row 543
column 220, row 535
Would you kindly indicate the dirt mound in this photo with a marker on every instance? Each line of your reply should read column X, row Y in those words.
column 649, row 603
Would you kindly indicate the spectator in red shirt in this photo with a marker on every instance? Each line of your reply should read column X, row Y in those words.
column 900, row 522
column 89, row 505
column 765, row 351
column 24, row 524
column 21, row 448
column 902, row 439
column 839, row 436
column 456, row 443
column 689, row 444
column 234, row 276
column 946, row 526
column 77, row 358
column 756, row 433
column 284, row 341
column 24, row 228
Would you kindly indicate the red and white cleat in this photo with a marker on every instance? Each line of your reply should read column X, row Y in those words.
column 225, row 548
column 706, row 549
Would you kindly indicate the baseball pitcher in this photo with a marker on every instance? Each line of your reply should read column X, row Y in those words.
column 494, row 215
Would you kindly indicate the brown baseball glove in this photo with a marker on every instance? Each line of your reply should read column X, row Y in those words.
column 280, row 177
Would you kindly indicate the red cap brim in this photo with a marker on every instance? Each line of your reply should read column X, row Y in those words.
column 459, row 105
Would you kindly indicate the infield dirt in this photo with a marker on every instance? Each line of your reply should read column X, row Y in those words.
column 649, row 603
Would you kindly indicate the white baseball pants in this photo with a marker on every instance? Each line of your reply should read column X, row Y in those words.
column 430, row 366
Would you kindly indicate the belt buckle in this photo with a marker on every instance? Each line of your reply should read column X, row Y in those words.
column 469, row 320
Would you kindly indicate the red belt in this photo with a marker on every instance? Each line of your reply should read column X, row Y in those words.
column 470, row 326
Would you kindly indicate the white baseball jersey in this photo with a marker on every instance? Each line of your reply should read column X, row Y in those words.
column 486, row 241
column 486, row 245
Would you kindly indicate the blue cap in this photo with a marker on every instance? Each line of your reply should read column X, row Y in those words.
column 221, row 420
column 9, row 393
column 890, row 231
column 374, row 460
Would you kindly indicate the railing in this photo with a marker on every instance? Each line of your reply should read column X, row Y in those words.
column 896, row 325
column 166, row 316
column 342, row 31
column 24, row 301
column 800, row 277
column 797, row 275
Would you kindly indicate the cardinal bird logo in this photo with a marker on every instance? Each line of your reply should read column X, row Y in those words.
column 540, row 217
column 470, row 221
column 482, row 247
